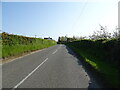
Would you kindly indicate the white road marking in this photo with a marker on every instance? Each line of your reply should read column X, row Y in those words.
column 54, row 52
column 29, row 74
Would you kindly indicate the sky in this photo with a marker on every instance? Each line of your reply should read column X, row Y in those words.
column 54, row 19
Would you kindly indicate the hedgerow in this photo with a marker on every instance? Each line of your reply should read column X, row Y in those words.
column 15, row 44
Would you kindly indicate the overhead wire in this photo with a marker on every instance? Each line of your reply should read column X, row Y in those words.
column 82, row 10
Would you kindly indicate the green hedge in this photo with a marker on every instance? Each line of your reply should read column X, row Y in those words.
column 102, row 55
column 15, row 45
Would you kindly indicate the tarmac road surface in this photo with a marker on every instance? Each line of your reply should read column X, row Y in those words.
column 53, row 67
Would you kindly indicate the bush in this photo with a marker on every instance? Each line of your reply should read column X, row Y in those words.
column 101, row 54
column 16, row 45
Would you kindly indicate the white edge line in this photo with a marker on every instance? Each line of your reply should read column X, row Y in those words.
column 29, row 74
column 54, row 52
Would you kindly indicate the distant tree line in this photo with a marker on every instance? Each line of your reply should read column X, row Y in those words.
column 98, row 34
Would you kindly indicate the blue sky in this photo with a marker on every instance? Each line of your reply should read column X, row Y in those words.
column 54, row 19
column 0, row 16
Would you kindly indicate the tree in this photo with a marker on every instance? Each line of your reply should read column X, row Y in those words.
column 101, row 34
column 116, row 34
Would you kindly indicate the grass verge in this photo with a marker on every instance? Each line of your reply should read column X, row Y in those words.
column 15, row 45
column 110, row 74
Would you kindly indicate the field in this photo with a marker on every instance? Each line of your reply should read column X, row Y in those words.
column 13, row 45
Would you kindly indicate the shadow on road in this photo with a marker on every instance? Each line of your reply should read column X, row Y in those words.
column 94, row 79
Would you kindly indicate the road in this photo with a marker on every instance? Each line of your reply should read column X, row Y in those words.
column 53, row 67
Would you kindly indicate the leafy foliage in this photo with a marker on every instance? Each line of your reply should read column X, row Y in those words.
column 15, row 44
column 102, row 54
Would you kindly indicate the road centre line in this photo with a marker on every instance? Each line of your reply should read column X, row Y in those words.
column 29, row 74
column 54, row 51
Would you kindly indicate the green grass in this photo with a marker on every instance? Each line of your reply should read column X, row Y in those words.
column 93, row 64
column 19, row 49
column 13, row 45
column 109, row 72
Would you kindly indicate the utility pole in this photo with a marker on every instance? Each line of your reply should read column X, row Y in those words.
column 118, row 30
